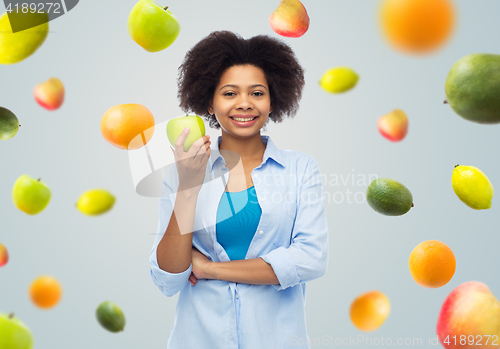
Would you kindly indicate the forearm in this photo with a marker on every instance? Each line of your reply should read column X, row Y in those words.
column 174, row 249
column 246, row 271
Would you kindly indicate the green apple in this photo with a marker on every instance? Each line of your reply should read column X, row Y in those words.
column 9, row 124
column 30, row 195
column 151, row 26
column 14, row 334
column 176, row 125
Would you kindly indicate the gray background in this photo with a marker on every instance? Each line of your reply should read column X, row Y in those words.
column 106, row 257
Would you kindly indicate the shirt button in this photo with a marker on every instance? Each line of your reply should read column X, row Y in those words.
column 256, row 175
column 237, row 296
column 261, row 232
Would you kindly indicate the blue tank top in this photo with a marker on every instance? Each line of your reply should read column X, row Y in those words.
column 238, row 217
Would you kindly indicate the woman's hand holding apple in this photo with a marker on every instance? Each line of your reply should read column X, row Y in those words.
column 191, row 165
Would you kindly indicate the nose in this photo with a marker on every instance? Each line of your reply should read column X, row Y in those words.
column 243, row 102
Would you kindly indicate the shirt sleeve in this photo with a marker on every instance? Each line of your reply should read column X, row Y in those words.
column 306, row 258
column 168, row 283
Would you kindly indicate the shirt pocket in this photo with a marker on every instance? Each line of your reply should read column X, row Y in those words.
column 288, row 211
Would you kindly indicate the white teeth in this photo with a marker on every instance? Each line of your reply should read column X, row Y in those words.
column 243, row 119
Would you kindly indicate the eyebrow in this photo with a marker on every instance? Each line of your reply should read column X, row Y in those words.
column 235, row 86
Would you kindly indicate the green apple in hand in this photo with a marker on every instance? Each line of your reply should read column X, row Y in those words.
column 30, row 195
column 151, row 26
column 14, row 334
column 176, row 125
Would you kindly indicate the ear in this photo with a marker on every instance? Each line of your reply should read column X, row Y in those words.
column 210, row 108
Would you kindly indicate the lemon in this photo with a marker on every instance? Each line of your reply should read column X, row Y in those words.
column 338, row 80
column 472, row 187
column 95, row 202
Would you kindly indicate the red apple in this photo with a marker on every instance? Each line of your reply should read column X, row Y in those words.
column 50, row 94
column 393, row 125
column 470, row 318
column 290, row 19
column 4, row 255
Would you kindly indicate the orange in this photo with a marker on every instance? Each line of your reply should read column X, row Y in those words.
column 432, row 264
column 128, row 126
column 369, row 310
column 417, row 26
column 45, row 292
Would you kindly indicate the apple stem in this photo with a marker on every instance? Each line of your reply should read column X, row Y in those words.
column 165, row 8
column 455, row 165
column 11, row 315
column 445, row 101
column 412, row 204
column 38, row 179
column 19, row 125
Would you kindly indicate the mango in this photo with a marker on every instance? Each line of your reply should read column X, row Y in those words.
column 472, row 87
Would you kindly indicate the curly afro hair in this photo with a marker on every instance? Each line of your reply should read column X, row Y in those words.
column 205, row 62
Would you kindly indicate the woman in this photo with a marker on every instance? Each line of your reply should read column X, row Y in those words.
column 250, row 239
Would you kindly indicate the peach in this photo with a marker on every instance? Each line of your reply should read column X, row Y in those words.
column 50, row 94
column 4, row 255
column 290, row 19
column 469, row 318
column 393, row 125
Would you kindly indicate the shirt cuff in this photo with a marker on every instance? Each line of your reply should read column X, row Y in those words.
column 284, row 267
column 168, row 283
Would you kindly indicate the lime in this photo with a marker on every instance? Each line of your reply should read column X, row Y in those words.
column 338, row 80
column 389, row 197
column 110, row 316
column 95, row 202
column 472, row 187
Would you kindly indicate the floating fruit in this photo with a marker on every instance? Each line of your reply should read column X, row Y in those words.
column 15, row 47
column 290, row 19
column 4, row 256
column 95, row 202
column 472, row 87
column 110, row 316
column 50, row 94
column 389, row 197
column 151, row 26
column 128, row 126
column 339, row 80
column 417, row 26
column 9, row 124
column 30, row 195
column 432, row 264
column 45, row 292
column 394, row 125
column 469, row 318
column 472, row 187
column 14, row 334
column 369, row 310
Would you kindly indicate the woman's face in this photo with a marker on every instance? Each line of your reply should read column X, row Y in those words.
column 242, row 92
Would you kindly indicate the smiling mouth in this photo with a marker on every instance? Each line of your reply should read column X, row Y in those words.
column 243, row 119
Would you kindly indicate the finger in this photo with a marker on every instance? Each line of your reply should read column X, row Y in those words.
column 208, row 155
column 198, row 143
column 179, row 142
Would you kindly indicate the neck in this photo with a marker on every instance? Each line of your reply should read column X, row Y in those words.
column 249, row 149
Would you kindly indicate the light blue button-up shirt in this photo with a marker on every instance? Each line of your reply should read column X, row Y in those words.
column 292, row 236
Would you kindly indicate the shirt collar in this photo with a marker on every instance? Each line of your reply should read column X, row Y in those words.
column 270, row 152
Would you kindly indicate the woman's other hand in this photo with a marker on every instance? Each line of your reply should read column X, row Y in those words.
column 201, row 266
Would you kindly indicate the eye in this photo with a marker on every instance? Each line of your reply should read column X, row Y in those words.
column 229, row 94
column 258, row 93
